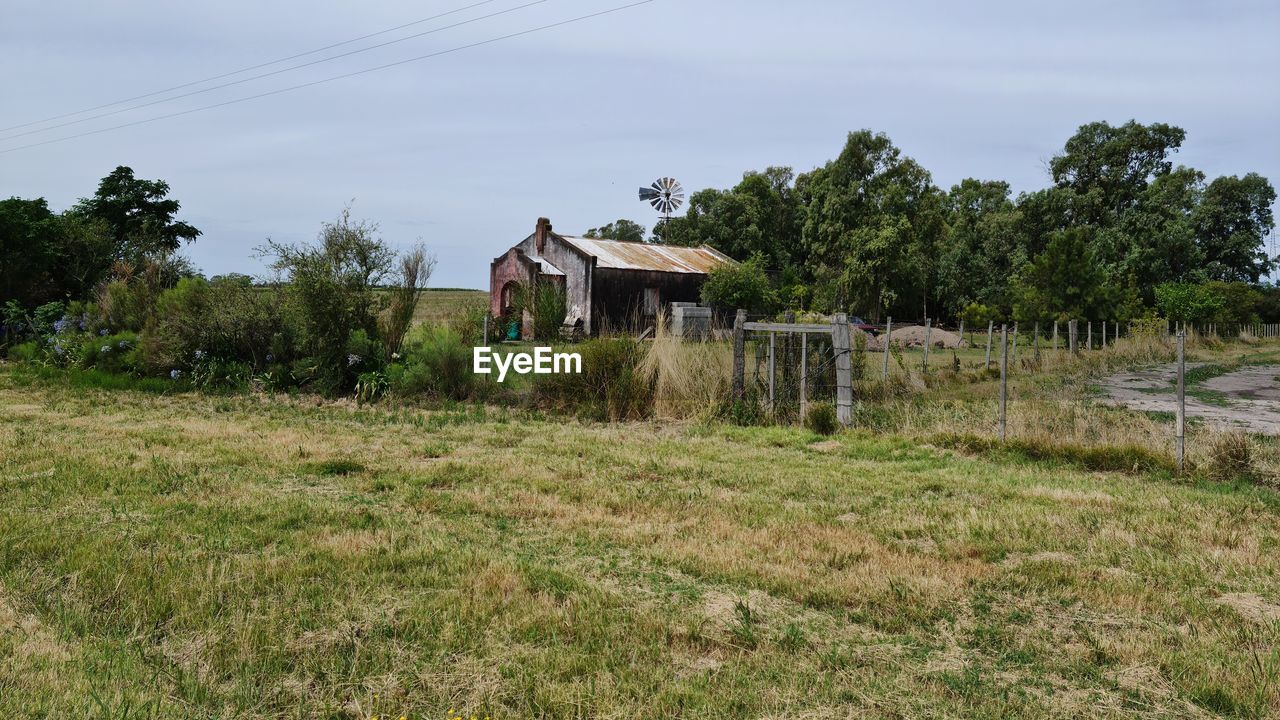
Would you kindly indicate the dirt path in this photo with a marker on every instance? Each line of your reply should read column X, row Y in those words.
column 1246, row 399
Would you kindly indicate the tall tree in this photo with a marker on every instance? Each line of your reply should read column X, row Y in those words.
column 983, row 247
column 1232, row 223
column 139, row 214
column 1108, row 167
column 872, row 218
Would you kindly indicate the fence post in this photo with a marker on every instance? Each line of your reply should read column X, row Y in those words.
column 773, row 346
column 1055, row 336
column 804, row 375
column 1035, row 342
column 888, row 337
column 1072, row 335
column 1004, row 379
column 990, row 325
column 1182, row 401
column 739, row 354
column 1088, row 342
column 928, row 331
column 844, row 368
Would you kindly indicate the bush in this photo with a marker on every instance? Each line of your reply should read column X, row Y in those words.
column 435, row 363
column 613, row 384
column 227, row 318
column 331, row 290
column 821, row 419
column 547, row 304
column 118, row 353
column 743, row 286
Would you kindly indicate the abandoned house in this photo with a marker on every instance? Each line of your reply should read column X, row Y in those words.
column 607, row 283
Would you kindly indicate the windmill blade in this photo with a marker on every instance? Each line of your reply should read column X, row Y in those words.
column 648, row 193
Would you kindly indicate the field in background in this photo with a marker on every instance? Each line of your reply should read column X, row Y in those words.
column 192, row 556
column 438, row 307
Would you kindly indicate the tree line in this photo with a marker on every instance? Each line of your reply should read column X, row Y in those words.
column 1120, row 229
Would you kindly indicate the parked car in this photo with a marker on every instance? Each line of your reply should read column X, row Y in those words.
column 866, row 327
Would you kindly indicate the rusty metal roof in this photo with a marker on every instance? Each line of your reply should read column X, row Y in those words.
column 653, row 258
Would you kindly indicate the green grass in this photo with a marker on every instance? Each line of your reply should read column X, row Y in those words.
column 186, row 556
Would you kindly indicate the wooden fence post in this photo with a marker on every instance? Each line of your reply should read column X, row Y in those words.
column 804, row 375
column 928, row 331
column 1035, row 342
column 773, row 345
column 1055, row 336
column 990, row 324
column 1004, row 379
column 739, row 354
column 844, row 368
column 1088, row 343
column 1181, row 440
column 888, row 337
column 1072, row 335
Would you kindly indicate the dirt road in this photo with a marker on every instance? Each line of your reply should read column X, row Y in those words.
column 1245, row 399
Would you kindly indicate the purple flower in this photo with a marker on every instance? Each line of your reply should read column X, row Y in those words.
column 83, row 325
column 60, row 325
column 271, row 358
column 103, row 332
column 106, row 348
column 353, row 359
column 124, row 344
column 199, row 354
column 58, row 349
column 175, row 374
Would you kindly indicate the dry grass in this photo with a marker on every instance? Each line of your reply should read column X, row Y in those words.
column 191, row 556
column 692, row 379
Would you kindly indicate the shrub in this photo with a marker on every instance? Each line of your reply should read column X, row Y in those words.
column 436, row 363
column 743, row 286
column 613, row 384
column 118, row 353
column 821, row 419
column 415, row 271
column 331, row 289
column 547, row 304
column 227, row 318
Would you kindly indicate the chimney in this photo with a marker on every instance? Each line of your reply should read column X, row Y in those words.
column 540, row 234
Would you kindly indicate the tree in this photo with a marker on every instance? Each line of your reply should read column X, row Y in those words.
column 872, row 219
column 45, row 256
column 739, row 286
column 1108, row 167
column 139, row 215
column 1187, row 302
column 758, row 216
column 1064, row 282
column 982, row 248
column 623, row 230
column 1232, row 222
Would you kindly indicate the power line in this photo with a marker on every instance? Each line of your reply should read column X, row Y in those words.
column 270, row 74
column 251, row 67
column 428, row 56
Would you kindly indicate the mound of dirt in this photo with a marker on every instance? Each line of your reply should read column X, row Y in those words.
column 912, row 336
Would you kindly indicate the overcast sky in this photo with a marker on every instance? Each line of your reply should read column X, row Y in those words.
column 466, row 150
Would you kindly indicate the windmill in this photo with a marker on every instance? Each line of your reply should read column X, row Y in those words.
column 665, row 195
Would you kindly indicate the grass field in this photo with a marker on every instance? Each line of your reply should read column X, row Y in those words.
column 437, row 307
column 185, row 556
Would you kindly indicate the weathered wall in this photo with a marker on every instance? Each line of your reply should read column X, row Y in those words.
column 576, row 267
column 617, row 298
column 512, row 266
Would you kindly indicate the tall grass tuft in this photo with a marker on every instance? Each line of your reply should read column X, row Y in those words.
column 691, row 378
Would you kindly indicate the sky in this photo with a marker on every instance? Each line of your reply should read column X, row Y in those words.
column 465, row 150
